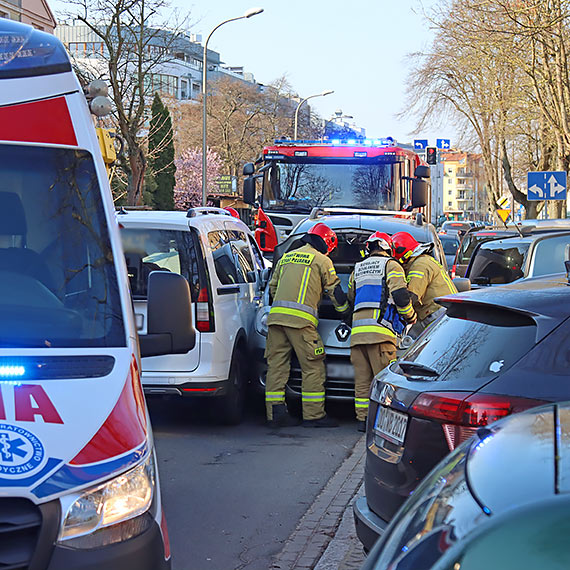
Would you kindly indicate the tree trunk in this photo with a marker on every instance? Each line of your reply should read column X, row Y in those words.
column 137, row 162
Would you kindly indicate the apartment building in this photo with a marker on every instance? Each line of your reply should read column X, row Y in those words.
column 36, row 13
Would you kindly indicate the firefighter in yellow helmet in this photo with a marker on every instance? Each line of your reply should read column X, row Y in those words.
column 297, row 285
column 382, row 308
column 427, row 279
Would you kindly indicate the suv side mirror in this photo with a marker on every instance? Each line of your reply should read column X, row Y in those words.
column 419, row 193
column 169, row 316
column 251, row 276
column 249, row 191
column 462, row 284
column 422, row 171
column 248, row 169
column 265, row 273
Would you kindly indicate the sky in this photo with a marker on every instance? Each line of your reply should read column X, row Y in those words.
column 358, row 49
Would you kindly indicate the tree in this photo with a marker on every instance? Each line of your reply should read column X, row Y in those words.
column 161, row 155
column 188, row 191
column 136, row 42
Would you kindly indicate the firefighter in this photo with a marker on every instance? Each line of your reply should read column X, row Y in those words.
column 296, row 287
column 382, row 308
column 427, row 279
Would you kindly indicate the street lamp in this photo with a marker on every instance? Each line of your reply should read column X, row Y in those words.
column 251, row 12
column 299, row 106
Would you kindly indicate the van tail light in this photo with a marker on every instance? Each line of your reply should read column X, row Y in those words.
column 462, row 413
column 453, row 270
column 204, row 314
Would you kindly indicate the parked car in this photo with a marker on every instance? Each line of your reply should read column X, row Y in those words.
column 499, row 500
column 221, row 261
column 496, row 352
column 506, row 260
column 352, row 229
column 450, row 243
column 460, row 227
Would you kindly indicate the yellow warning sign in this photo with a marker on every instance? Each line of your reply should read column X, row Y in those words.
column 503, row 214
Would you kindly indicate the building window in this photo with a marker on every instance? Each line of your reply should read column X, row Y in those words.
column 167, row 84
column 450, row 192
column 450, row 170
column 449, row 181
column 450, row 204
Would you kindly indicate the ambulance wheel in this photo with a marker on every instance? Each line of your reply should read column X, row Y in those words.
column 231, row 405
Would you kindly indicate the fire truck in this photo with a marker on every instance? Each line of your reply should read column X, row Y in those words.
column 298, row 176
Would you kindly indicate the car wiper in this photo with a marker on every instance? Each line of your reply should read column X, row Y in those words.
column 415, row 369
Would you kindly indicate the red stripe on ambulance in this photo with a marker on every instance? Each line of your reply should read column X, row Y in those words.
column 46, row 121
column 31, row 400
column 124, row 429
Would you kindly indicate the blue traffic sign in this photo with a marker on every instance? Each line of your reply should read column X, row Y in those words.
column 420, row 144
column 443, row 143
column 546, row 185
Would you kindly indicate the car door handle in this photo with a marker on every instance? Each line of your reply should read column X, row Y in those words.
column 228, row 290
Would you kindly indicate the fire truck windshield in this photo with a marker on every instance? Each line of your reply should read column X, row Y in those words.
column 301, row 186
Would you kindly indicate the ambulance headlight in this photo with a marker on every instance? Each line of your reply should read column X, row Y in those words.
column 261, row 320
column 112, row 512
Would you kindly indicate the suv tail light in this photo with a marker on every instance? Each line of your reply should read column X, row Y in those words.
column 453, row 270
column 462, row 413
column 204, row 314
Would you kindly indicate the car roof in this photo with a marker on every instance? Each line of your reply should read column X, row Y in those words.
column 172, row 218
column 372, row 223
column 525, row 239
column 548, row 296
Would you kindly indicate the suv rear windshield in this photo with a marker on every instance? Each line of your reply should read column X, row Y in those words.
column 58, row 285
column 461, row 349
column 498, row 262
column 469, row 243
column 149, row 250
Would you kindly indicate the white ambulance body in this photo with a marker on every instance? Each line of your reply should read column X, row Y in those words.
column 78, row 481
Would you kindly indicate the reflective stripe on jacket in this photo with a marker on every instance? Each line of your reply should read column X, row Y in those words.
column 297, row 285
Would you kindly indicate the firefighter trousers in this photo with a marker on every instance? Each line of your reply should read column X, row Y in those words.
column 368, row 360
column 308, row 347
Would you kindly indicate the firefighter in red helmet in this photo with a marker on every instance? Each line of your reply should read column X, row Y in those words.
column 296, row 287
column 382, row 308
column 427, row 279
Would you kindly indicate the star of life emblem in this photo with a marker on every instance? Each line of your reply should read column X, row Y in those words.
column 21, row 452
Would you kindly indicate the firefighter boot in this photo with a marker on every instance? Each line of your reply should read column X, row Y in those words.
column 281, row 417
column 324, row 422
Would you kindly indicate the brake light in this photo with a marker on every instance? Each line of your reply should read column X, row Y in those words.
column 462, row 413
column 204, row 321
column 453, row 270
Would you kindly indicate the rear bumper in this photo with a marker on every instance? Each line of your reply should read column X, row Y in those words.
column 144, row 552
column 188, row 389
column 369, row 526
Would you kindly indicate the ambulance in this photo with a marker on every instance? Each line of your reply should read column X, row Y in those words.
column 79, row 485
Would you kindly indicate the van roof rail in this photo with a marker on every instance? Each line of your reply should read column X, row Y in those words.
column 126, row 209
column 317, row 213
column 203, row 210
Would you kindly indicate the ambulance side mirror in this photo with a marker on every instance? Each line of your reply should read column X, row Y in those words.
column 169, row 316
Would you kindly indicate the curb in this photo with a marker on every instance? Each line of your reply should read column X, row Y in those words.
column 319, row 524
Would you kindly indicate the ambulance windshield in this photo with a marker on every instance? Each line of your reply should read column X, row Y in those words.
column 58, row 285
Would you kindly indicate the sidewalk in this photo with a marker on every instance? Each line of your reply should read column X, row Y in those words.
column 325, row 538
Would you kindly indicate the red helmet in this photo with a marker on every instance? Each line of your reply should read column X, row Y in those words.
column 324, row 232
column 383, row 240
column 233, row 212
column 404, row 244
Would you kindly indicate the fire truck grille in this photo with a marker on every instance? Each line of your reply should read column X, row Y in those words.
column 20, row 523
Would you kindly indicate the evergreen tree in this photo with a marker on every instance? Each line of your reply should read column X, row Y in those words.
column 161, row 156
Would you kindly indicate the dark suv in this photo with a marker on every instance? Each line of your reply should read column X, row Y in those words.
column 509, row 352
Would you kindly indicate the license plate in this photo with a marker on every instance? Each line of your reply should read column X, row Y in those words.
column 340, row 370
column 391, row 425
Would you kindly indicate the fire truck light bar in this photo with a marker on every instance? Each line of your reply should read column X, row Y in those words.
column 388, row 141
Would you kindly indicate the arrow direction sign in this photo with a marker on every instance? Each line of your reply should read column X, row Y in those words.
column 443, row 143
column 420, row 144
column 546, row 185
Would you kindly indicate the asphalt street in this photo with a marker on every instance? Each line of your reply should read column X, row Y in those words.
column 233, row 495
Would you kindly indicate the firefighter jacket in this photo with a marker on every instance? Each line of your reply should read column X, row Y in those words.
column 427, row 279
column 297, row 285
column 378, row 294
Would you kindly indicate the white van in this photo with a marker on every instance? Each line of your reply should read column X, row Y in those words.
column 78, row 480
column 219, row 257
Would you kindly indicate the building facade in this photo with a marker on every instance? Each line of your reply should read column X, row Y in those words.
column 36, row 13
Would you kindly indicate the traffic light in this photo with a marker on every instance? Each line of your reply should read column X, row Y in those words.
column 431, row 155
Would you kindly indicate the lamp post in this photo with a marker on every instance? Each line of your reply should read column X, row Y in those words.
column 301, row 103
column 251, row 12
